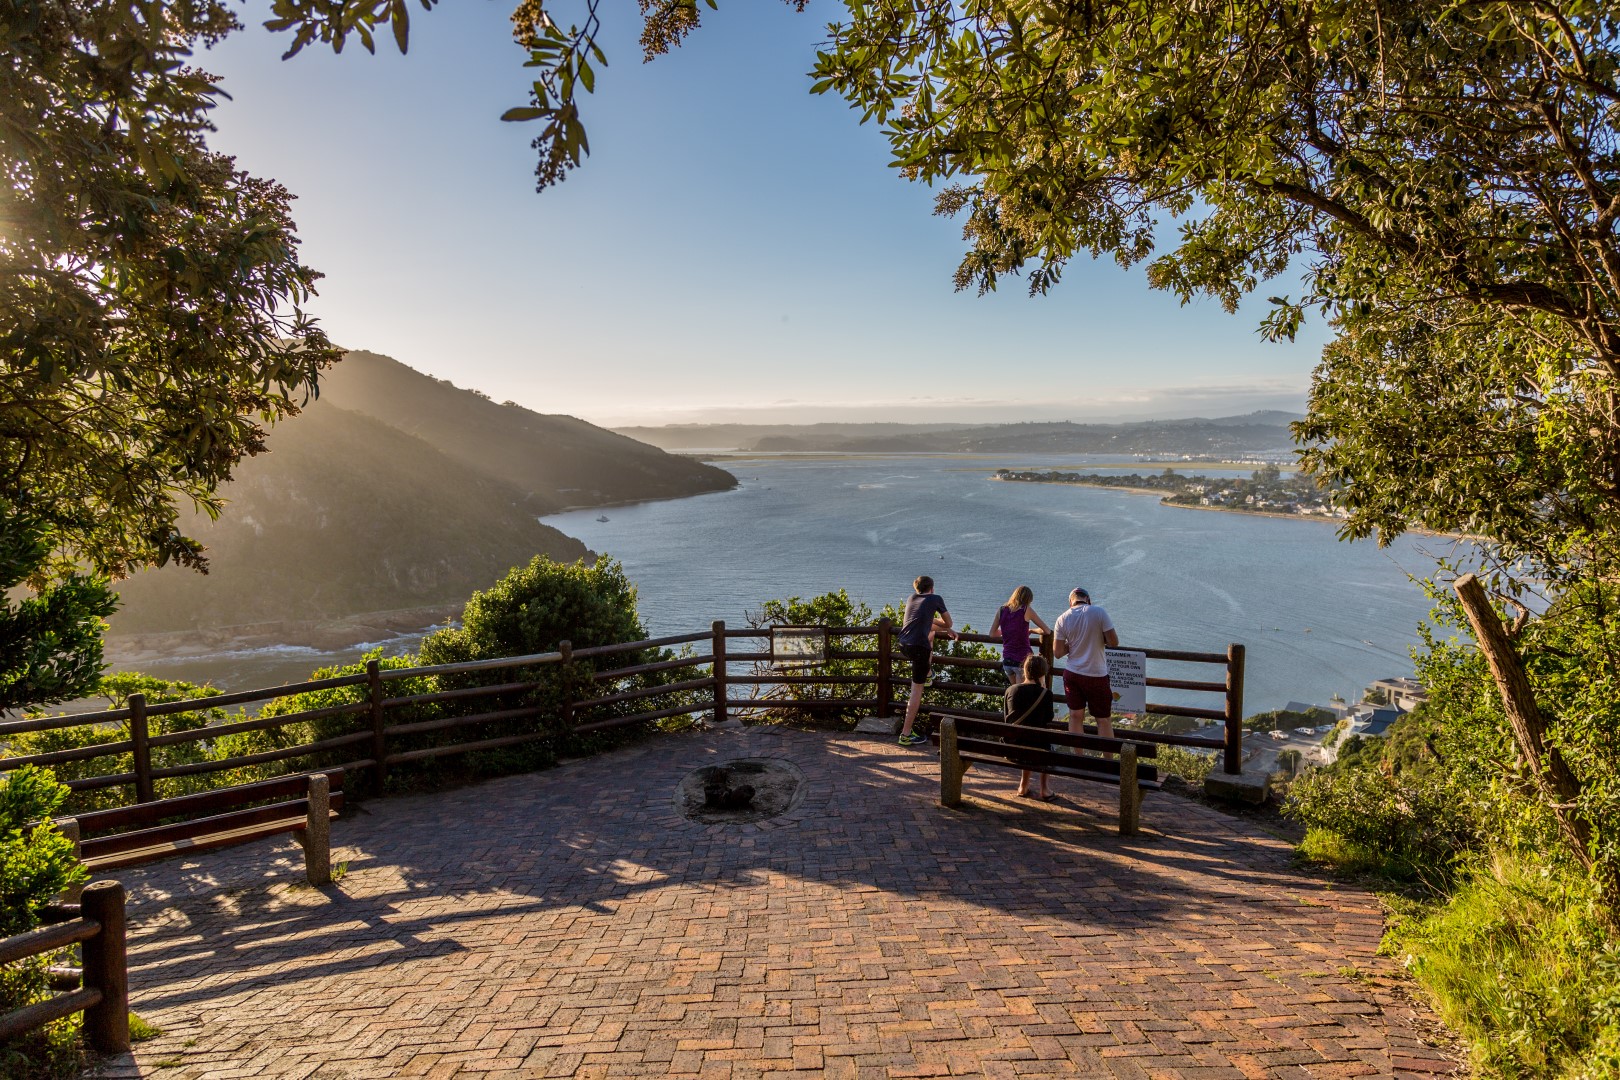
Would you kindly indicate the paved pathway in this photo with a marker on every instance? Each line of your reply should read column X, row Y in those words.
column 571, row 923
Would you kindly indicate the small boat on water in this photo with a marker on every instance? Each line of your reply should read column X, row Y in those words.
column 604, row 517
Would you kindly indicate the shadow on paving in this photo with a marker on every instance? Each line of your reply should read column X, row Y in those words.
column 602, row 832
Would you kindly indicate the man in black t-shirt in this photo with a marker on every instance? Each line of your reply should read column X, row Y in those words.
column 925, row 614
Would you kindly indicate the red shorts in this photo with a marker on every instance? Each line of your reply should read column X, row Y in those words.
column 1093, row 691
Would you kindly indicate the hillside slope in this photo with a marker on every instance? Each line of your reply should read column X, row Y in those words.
column 559, row 461
column 345, row 514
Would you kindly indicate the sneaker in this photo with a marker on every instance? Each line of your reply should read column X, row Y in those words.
column 916, row 738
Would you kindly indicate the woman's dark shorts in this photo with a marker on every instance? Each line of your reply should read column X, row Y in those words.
column 1093, row 691
column 921, row 657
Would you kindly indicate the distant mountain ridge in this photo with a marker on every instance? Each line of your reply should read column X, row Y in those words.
column 395, row 490
column 1254, row 432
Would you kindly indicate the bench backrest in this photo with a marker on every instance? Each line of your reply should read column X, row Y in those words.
column 967, row 725
column 289, row 789
column 992, row 739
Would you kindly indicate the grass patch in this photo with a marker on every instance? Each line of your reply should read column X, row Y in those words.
column 1521, row 964
column 1323, row 847
column 140, row 1030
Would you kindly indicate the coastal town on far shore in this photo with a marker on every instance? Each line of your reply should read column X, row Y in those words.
column 1268, row 490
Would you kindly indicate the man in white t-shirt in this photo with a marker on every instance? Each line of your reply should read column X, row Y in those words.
column 1083, row 633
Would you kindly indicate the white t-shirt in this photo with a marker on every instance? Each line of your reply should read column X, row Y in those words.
column 1083, row 627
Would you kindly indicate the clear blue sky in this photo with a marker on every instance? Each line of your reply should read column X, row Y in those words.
column 734, row 248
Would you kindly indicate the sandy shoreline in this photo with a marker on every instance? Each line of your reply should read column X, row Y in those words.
column 325, row 635
column 1164, row 501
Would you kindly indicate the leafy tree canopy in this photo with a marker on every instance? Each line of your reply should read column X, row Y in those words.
column 50, row 638
column 151, row 297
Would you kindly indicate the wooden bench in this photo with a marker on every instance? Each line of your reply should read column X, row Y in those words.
column 130, row 835
column 964, row 742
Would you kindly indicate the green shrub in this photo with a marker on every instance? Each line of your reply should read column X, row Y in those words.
column 531, row 611
column 36, row 864
column 1418, row 821
column 1523, row 963
column 1191, row 765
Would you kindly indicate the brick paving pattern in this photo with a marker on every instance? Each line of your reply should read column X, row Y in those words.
column 572, row 923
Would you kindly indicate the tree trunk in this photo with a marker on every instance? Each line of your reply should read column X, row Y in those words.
column 1557, row 782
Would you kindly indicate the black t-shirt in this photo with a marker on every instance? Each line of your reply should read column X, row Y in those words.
column 920, row 611
column 1021, row 697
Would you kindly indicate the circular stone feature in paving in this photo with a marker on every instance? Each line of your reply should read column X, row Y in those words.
column 778, row 787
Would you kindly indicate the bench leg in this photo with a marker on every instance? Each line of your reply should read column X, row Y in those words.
column 1130, row 794
column 950, row 764
column 318, row 832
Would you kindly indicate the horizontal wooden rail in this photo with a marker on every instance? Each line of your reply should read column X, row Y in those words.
column 648, row 669
column 446, row 722
column 62, row 757
column 200, row 767
column 45, row 939
column 261, row 723
column 95, row 783
column 1186, row 684
column 649, row 691
column 635, row 718
column 454, row 695
column 51, row 723
column 466, row 748
column 637, row 646
column 467, row 666
column 1173, row 654
column 775, row 704
column 800, row 680
column 1136, row 734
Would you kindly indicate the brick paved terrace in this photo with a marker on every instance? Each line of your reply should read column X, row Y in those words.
column 573, row 923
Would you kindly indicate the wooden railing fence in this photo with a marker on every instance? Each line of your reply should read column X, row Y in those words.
column 375, row 734
column 99, row 989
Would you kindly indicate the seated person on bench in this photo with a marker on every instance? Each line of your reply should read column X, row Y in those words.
column 1029, row 704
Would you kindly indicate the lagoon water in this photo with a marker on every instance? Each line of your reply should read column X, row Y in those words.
column 1317, row 615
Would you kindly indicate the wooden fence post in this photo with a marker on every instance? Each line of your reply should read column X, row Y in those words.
column 1049, row 654
column 69, row 827
column 565, row 649
column 1233, row 763
column 143, row 749
column 719, row 651
column 106, row 1023
column 318, row 831
column 379, row 741
column 885, row 668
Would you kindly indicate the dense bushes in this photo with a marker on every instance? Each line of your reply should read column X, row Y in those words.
column 36, row 864
column 1504, row 925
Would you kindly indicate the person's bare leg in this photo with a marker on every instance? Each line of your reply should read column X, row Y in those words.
column 1105, row 726
column 912, row 706
column 1023, row 784
column 1046, row 793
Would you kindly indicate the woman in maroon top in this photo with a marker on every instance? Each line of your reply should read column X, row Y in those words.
column 1011, row 625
